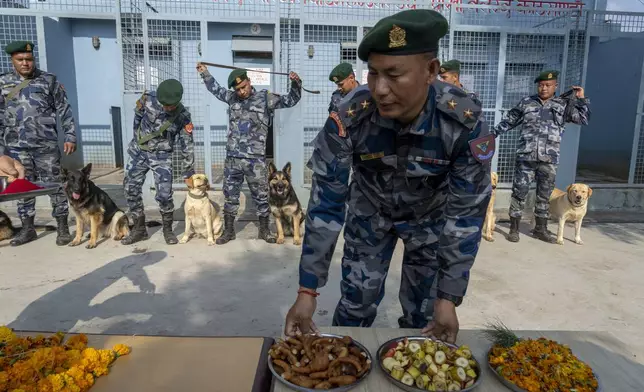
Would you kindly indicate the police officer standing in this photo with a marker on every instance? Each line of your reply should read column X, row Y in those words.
column 160, row 120
column 345, row 80
column 420, row 155
column 543, row 117
column 30, row 102
column 250, row 116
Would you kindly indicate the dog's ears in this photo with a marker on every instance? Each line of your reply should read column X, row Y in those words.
column 590, row 191
column 87, row 169
column 271, row 168
column 287, row 169
column 569, row 187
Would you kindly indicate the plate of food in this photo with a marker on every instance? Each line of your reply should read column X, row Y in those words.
column 423, row 364
column 324, row 362
column 537, row 365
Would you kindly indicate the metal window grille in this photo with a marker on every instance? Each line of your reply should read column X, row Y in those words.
column 17, row 28
column 173, row 50
column 639, row 159
column 97, row 145
column 85, row 6
column 132, row 46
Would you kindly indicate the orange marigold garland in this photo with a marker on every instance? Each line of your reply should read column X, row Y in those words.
column 538, row 365
column 46, row 364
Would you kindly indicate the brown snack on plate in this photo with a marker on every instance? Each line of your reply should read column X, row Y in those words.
column 296, row 344
column 301, row 370
column 320, row 362
column 289, row 355
column 304, row 381
column 285, row 366
column 342, row 380
column 319, row 375
column 324, row 385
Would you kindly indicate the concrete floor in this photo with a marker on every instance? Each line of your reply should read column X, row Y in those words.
column 247, row 286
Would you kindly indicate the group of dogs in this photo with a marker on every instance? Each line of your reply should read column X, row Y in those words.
column 95, row 209
column 570, row 205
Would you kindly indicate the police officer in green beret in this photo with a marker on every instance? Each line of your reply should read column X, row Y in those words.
column 419, row 152
column 160, row 123
column 33, row 109
column 250, row 116
column 450, row 72
column 543, row 119
column 345, row 80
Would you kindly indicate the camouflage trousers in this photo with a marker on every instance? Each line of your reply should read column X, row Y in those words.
column 256, row 174
column 369, row 245
column 41, row 165
column 137, row 168
column 524, row 173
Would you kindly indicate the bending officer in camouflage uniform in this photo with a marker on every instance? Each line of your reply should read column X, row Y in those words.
column 250, row 115
column 31, row 100
column 345, row 79
column 420, row 153
column 543, row 118
column 160, row 120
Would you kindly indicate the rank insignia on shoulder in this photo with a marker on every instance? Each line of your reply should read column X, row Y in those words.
column 483, row 148
column 342, row 132
column 372, row 156
column 189, row 127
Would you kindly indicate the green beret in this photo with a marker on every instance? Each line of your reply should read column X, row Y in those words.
column 405, row 33
column 169, row 92
column 237, row 76
column 450, row 66
column 547, row 75
column 19, row 47
column 341, row 72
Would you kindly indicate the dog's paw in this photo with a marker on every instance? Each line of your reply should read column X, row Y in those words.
column 560, row 241
column 90, row 245
column 280, row 240
column 211, row 242
column 297, row 241
column 184, row 240
column 578, row 241
column 74, row 243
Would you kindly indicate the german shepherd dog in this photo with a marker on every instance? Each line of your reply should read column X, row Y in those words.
column 7, row 230
column 93, row 207
column 285, row 206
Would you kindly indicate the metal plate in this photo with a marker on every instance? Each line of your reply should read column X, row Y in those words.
column 513, row 387
column 48, row 188
column 339, row 389
column 394, row 342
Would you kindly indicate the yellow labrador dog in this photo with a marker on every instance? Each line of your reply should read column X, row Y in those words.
column 490, row 216
column 202, row 214
column 570, row 206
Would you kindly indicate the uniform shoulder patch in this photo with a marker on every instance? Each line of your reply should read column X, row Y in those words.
column 463, row 108
column 483, row 148
column 342, row 131
column 141, row 101
column 355, row 106
column 189, row 127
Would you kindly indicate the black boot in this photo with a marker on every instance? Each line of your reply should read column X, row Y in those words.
column 168, row 235
column 26, row 234
column 541, row 231
column 63, row 237
column 138, row 233
column 229, row 230
column 513, row 236
column 264, row 231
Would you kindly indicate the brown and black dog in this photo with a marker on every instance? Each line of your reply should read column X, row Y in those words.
column 285, row 206
column 93, row 207
column 7, row 231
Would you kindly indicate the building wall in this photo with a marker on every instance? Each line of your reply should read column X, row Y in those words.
column 613, row 83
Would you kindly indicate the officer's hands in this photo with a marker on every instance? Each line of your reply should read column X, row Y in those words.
column 299, row 318
column 294, row 77
column 444, row 326
column 201, row 68
column 69, row 148
column 579, row 91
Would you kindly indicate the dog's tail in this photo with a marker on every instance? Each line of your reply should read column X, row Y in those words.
column 118, row 222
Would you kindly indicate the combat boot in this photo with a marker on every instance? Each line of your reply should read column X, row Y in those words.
column 26, row 234
column 229, row 230
column 264, row 231
column 541, row 231
column 513, row 236
column 63, row 237
column 138, row 233
column 168, row 235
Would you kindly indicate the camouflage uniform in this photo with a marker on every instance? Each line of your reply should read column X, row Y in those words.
column 336, row 97
column 249, row 121
column 29, row 133
column 423, row 183
column 543, row 124
column 156, row 155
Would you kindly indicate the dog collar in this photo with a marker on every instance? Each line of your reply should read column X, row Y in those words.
column 197, row 197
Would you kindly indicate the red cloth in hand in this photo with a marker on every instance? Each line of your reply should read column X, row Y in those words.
column 20, row 186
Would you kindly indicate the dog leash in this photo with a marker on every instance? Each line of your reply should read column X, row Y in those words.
column 252, row 70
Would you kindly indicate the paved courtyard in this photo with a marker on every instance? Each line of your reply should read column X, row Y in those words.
column 247, row 286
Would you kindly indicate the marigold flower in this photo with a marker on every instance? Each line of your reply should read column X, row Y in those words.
column 121, row 349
